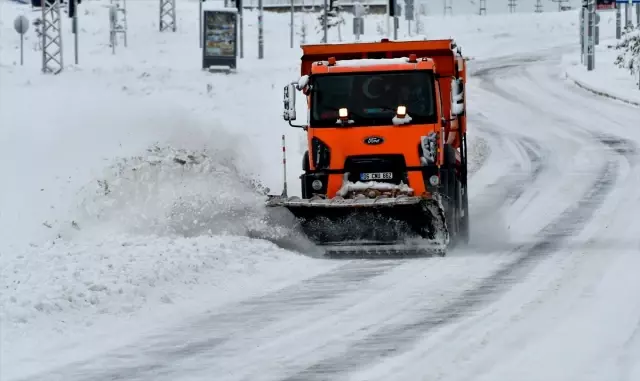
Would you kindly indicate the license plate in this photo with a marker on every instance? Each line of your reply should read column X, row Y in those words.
column 376, row 176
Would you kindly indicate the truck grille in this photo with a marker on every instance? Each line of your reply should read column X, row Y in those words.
column 356, row 165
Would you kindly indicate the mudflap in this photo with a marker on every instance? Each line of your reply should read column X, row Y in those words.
column 403, row 226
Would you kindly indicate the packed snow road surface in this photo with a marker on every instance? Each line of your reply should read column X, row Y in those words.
column 548, row 289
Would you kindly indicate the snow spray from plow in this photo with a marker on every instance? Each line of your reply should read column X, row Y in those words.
column 177, row 192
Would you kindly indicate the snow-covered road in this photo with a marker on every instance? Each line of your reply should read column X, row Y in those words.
column 547, row 291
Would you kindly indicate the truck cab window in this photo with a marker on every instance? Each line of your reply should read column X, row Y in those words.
column 372, row 98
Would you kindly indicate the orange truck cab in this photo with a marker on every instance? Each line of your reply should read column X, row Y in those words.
column 388, row 111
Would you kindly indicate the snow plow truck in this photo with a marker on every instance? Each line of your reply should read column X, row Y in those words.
column 385, row 172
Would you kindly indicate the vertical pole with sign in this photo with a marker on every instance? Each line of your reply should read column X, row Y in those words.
column 21, row 25
column 358, row 21
column 408, row 13
column 219, row 39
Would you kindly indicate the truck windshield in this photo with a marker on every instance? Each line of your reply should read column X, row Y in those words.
column 373, row 98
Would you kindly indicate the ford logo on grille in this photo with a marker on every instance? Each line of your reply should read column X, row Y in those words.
column 373, row 140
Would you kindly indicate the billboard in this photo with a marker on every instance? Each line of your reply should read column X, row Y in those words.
column 220, row 38
column 605, row 5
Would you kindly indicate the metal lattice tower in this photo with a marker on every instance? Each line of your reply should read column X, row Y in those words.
column 167, row 15
column 483, row 7
column 448, row 7
column 51, row 37
column 119, row 25
column 512, row 6
column 538, row 8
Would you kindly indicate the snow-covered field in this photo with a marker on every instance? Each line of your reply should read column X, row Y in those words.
column 130, row 213
column 607, row 78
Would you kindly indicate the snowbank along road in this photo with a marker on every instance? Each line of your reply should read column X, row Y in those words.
column 548, row 289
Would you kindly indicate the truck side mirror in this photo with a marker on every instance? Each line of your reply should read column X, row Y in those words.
column 457, row 97
column 289, row 113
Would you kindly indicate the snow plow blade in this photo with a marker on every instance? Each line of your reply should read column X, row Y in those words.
column 364, row 227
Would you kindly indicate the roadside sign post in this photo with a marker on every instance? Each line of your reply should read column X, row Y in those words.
column 220, row 40
column 590, row 33
column 596, row 28
column 358, row 27
column 21, row 25
column 408, row 14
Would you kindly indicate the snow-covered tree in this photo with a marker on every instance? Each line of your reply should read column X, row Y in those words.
column 629, row 47
column 334, row 17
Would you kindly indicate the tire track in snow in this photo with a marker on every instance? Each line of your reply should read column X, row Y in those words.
column 162, row 349
column 394, row 339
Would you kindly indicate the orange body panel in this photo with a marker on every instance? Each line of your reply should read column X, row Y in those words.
column 319, row 68
column 440, row 57
column 438, row 50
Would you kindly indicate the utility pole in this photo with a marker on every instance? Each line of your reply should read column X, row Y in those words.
column 483, row 7
column 448, row 6
column 512, row 6
column 325, row 21
column 581, row 25
column 167, row 15
column 627, row 15
column 292, row 26
column 260, row 30
column 240, row 6
column 618, row 22
column 51, row 37
column 538, row 8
